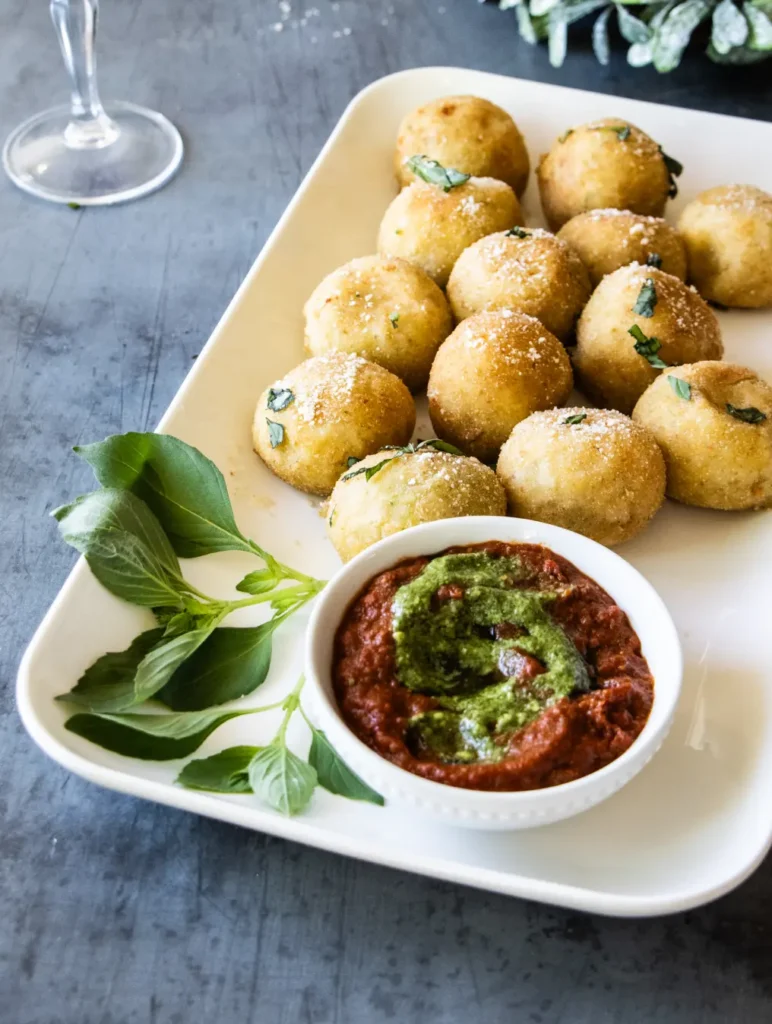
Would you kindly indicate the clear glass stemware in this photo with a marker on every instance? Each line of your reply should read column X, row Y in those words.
column 86, row 153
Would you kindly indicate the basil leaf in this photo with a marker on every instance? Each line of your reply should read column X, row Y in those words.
column 674, row 34
column 275, row 433
column 369, row 471
column 352, row 461
column 128, row 568
column 438, row 445
column 282, row 779
column 681, row 387
column 184, row 489
column 434, row 173
column 602, row 50
column 182, row 622
column 647, row 347
column 673, row 167
column 108, row 684
column 394, row 318
column 225, row 772
column 261, row 581
column 647, row 299
column 226, row 666
column 114, row 509
column 150, row 737
column 566, row 133
column 159, row 665
column 654, row 260
column 518, row 232
column 578, row 417
column 335, row 775
column 279, row 398
column 729, row 27
column 749, row 415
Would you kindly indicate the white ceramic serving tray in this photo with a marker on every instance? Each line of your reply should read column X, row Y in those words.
column 698, row 819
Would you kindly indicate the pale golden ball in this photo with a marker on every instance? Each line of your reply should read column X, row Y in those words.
column 431, row 228
column 325, row 411
column 606, row 240
column 468, row 133
column 609, row 368
column 407, row 490
column 387, row 310
column 717, row 456
column 495, row 369
column 589, row 470
column 728, row 235
column 527, row 270
column 606, row 163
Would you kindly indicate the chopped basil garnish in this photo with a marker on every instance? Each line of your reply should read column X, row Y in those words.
column 654, row 260
column 647, row 299
column 674, row 169
column 647, row 347
column 566, row 133
column 749, row 415
column 622, row 130
column 279, row 398
column 408, row 449
column 578, row 417
column 518, row 232
column 434, row 173
column 394, row 317
column 275, row 433
column 681, row 387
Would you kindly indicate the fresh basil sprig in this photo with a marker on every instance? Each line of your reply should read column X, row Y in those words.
column 749, row 415
column 408, row 449
column 434, row 173
column 647, row 347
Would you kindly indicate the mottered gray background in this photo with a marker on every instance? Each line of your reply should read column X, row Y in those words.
column 115, row 911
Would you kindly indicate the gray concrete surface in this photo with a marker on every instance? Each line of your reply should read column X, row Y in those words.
column 114, row 911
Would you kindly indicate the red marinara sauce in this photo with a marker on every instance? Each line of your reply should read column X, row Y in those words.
column 574, row 737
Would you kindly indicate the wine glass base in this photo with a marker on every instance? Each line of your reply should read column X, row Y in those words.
column 144, row 156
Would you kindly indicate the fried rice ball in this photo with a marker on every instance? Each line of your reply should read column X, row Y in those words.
column 713, row 422
column 408, row 489
column 495, row 369
column 324, row 412
column 608, row 239
column 530, row 271
column 589, row 470
column 431, row 228
column 728, row 235
column 673, row 325
column 606, row 163
column 386, row 310
column 468, row 133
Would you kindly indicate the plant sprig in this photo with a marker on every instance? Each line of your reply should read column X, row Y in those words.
column 408, row 449
column 162, row 499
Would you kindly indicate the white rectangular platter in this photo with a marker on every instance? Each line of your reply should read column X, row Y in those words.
column 698, row 819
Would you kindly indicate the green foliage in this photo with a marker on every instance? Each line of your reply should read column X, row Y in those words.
column 658, row 31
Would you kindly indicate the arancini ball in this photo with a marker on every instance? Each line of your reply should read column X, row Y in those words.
column 386, row 310
column 431, row 227
column 326, row 411
column 466, row 132
column 589, row 470
column 495, row 369
column 606, row 240
column 527, row 270
column 728, row 235
column 638, row 321
column 606, row 163
column 409, row 488
column 713, row 422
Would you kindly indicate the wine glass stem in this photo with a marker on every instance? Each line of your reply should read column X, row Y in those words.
column 75, row 23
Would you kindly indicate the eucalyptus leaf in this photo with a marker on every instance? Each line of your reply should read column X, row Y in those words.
column 557, row 35
column 334, row 774
column 225, row 772
column 673, row 35
column 760, row 22
column 282, row 779
column 600, row 41
column 729, row 28
column 150, row 737
column 631, row 28
column 108, row 684
column 539, row 7
column 229, row 664
column 524, row 22
column 184, row 489
column 640, row 55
